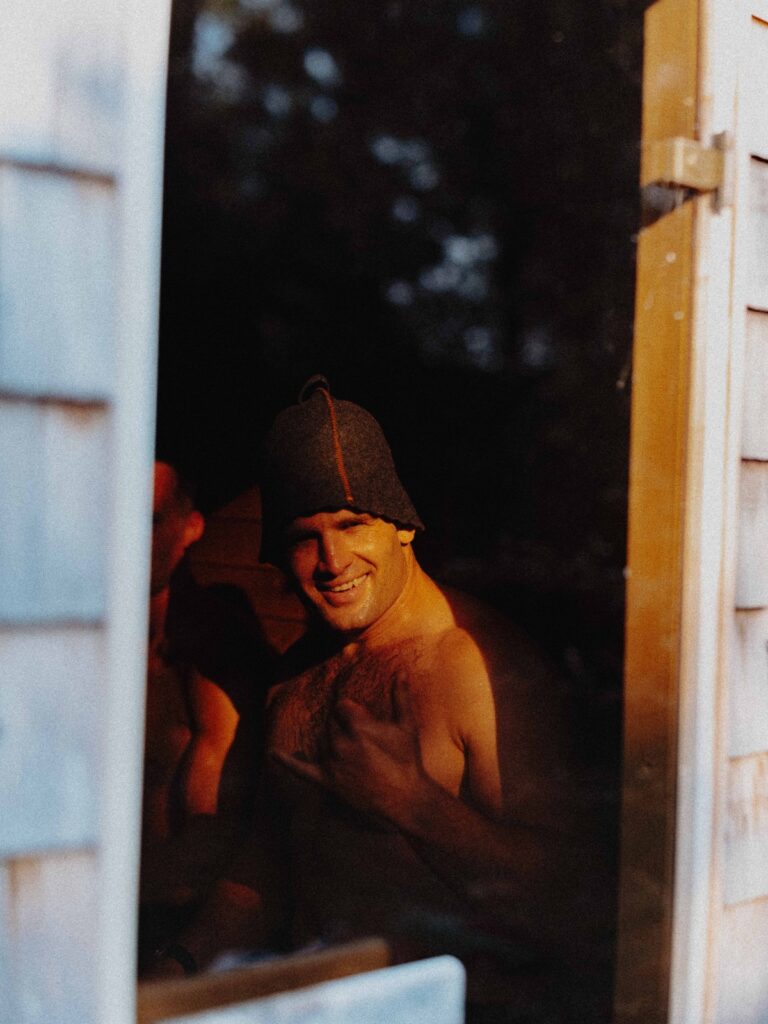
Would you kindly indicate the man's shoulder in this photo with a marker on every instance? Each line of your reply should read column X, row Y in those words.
column 477, row 629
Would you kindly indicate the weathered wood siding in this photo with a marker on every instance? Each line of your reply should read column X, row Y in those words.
column 81, row 108
column 743, row 978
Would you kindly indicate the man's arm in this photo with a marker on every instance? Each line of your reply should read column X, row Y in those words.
column 502, row 833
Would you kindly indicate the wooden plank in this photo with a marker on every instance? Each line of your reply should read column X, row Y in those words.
column 754, row 443
column 49, row 757
column 245, row 506
column 757, row 236
column 9, row 1010
column 160, row 999
column 752, row 557
column 229, row 541
column 746, row 861
column 659, row 431
column 61, row 82
column 264, row 585
column 752, row 100
column 743, row 988
column 56, row 281
column 428, row 991
column 748, row 684
column 53, row 467
column 52, row 905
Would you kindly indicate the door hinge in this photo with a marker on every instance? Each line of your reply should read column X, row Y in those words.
column 686, row 163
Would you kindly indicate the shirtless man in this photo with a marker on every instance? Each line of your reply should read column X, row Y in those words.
column 422, row 738
column 417, row 764
column 189, row 730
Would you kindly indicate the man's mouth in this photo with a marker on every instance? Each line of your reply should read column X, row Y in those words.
column 342, row 588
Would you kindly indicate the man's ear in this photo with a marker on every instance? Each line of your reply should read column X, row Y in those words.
column 193, row 528
column 405, row 537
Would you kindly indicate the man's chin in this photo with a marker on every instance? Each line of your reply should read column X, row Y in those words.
column 344, row 619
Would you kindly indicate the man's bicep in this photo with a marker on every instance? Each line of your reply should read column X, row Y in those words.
column 475, row 714
column 512, row 753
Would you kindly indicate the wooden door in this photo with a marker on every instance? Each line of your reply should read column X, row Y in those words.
column 694, row 914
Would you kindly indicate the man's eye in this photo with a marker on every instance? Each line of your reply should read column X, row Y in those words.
column 297, row 539
column 352, row 524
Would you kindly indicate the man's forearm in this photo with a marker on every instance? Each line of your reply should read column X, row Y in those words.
column 486, row 861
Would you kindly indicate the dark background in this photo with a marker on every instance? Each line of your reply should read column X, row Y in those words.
column 434, row 204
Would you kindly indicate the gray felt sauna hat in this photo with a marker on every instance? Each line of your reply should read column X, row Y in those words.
column 322, row 455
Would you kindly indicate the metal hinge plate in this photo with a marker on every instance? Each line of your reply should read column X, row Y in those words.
column 685, row 163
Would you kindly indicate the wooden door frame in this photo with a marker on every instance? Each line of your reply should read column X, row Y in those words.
column 140, row 187
column 683, row 486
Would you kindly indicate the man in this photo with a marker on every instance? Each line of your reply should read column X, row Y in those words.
column 416, row 743
column 190, row 728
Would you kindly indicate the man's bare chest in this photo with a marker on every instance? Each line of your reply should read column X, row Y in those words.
column 300, row 710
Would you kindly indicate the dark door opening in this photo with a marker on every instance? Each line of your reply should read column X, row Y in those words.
column 434, row 205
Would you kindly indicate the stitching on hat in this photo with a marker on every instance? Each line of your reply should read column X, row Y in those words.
column 337, row 448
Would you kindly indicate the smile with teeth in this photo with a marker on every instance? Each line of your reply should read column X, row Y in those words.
column 343, row 587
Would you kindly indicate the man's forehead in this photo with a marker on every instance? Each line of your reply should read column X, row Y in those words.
column 327, row 518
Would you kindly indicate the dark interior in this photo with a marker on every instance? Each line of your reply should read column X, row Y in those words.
column 435, row 205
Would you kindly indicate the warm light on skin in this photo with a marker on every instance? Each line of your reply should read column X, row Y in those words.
column 350, row 566
column 175, row 525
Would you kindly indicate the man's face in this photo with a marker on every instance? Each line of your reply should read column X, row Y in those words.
column 175, row 525
column 350, row 566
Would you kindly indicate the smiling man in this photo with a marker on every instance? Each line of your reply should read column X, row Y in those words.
column 416, row 740
column 417, row 782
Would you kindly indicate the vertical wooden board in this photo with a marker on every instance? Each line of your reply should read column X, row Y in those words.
column 54, row 472
column 56, row 284
column 752, row 101
column 743, row 988
column 754, row 443
column 752, row 557
column 51, row 904
column 50, row 738
column 748, row 684
column 757, row 234
column 8, row 1009
column 61, row 82
column 659, row 431
column 746, row 841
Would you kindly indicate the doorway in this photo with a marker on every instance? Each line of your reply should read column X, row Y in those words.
column 436, row 206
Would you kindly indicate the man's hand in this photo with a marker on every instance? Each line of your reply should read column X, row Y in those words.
column 373, row 765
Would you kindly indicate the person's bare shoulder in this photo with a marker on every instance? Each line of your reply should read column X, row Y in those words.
column 504, row 693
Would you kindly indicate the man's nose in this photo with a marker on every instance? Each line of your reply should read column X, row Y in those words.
column 335, row 554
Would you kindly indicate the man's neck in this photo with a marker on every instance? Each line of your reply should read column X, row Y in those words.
column 420, row 608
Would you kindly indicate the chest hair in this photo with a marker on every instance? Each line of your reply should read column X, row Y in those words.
column 299, row 713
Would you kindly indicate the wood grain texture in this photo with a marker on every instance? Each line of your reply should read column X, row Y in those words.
column 428, row 991
column 659, row 430
column 57, row 267
column 61, row 83
column 54, row 472
column 757, row 236
column 51, row 908
column 746, row 863
column 158, row 1000
column 752, row 557
column 748, row 684
column 743, row 988
column 49, row 738
column 754, row 443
